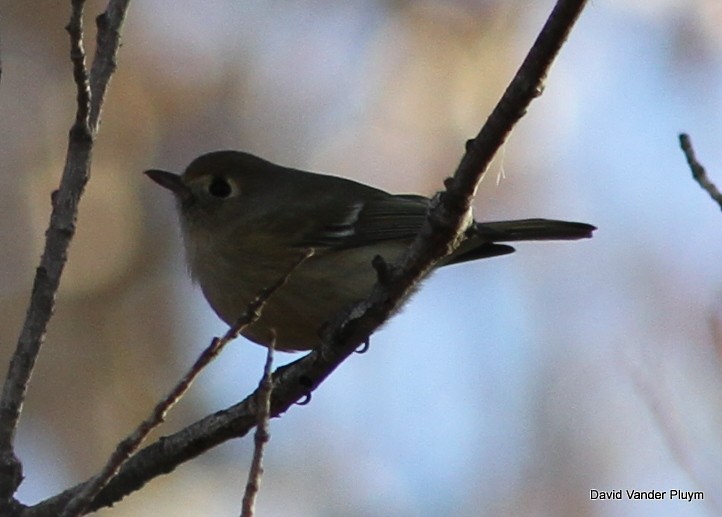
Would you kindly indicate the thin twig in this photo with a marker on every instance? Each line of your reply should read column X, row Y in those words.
column 129, row 445
column 261, row 436
column 698, row 172
column 80, row 71
column 47, row 277
column 294, row 381
column 109, row 26
column 60, row 232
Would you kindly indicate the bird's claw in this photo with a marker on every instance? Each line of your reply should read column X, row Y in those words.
column 364, row 347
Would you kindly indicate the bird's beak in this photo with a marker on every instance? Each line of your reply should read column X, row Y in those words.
column 172, row 182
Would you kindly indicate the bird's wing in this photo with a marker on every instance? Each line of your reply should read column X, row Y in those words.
column 365, row 223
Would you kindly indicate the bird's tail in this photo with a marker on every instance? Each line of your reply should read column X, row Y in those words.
column 483, row 238
column 531, row 230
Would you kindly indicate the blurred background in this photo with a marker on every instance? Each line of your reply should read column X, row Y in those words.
column 511, row 386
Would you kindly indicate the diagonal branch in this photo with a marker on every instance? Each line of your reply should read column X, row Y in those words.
column 437, row 238
column 61, row 230
column 698, row 172
column 129, row 446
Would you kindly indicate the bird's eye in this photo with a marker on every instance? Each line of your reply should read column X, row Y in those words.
column 220, row 188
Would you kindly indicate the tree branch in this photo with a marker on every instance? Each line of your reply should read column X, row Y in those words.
column 109, row 26
column 60, row 232
column 260, row 437
column 80, row 71
column 698, row 172
column 129, row 446
column 446, row 220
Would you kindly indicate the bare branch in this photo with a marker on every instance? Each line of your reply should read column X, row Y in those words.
column 61, row 230
column 129, row 446
column 347, row 332
column 450, row 210
column 527, row 84
column 47, row 278
column 80, row 71
column 260, row 437
column 109, row 25
column 698, row 171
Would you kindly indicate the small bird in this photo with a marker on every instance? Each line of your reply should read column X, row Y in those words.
column 245, row 221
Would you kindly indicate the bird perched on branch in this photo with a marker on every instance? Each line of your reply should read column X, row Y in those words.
column 245, row 222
